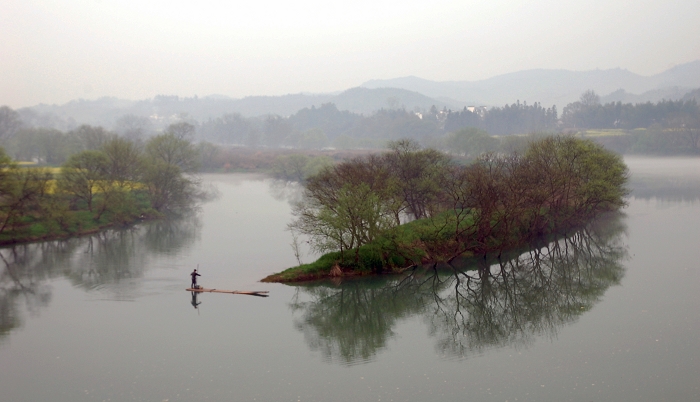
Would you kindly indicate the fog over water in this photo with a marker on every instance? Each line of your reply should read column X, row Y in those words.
column 607, row 313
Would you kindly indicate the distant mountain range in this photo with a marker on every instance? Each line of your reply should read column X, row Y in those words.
column 553, row 87
column 548, row 87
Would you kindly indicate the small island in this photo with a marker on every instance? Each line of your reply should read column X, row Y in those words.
column 386, row 213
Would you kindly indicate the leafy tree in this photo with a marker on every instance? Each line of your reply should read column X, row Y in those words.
column 171, row 149
column 345, row 205
column 107, row 179
column 168, row 163
column 356, row 217
column 416, row 175
column 169, row 189
column 501, row 200
column 350, row 204
column 577, row 178
column 104, row 179
column 82, row 174
column 124, row 161
column 91, row 138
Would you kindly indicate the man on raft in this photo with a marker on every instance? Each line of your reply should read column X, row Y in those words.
column 194, row 276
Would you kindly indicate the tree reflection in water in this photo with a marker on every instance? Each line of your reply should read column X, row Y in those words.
column 105, row 261
column 469, row 306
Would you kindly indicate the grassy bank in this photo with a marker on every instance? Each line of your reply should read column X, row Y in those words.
column 70, row 223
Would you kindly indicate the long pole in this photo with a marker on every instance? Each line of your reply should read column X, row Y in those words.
column 198, row 286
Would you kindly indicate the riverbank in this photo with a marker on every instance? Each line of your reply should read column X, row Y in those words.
column 74, row 224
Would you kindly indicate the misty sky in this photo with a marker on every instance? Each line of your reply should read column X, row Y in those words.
column 56, row 51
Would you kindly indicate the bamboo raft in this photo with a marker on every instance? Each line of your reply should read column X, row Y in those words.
column 262, row 293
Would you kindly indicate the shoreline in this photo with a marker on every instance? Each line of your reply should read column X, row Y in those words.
column 81, row 233
column 314, row 277
column 330, row 267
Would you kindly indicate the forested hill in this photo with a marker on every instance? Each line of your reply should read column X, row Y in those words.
column 552, row 87
column 105, row 111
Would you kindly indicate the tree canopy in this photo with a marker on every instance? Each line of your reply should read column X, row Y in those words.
column 416, row 205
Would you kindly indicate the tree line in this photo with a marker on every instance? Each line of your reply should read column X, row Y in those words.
column 662, row 127
column 413, row 205
column 112, row 180
column 670, row 126
column 673, row 123
column 326, row 126
column 589, row 113
column 518, row 118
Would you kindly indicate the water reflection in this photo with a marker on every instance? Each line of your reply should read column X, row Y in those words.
column 18, row 287
column 471, row 306
column 105, row 261
column 194, row 301
column 283, row 190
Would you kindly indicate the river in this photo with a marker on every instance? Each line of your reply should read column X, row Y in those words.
column 609, row 313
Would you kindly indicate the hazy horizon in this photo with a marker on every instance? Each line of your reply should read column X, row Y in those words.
column 57, row 52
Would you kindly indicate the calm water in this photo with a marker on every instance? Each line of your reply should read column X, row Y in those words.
column 607, row 314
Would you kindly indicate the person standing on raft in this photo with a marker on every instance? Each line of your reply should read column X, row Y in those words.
column 194, row 276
